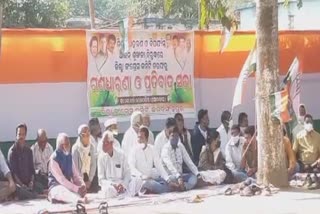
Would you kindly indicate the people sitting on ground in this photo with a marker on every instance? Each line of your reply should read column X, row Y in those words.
column 130, row 137
column 291, row 161
column 185, row 138
column 249, row 161
column 163, row 137
column 307, row 147
column 65, row 183
column 21, row 164
column 114, row 172
column 111, row 125
column 243, row 122
column 200, row 134
column 211, row 157
column 173, row 155
column 42, row 152
column 95, row 131
column 145, row 164
column 234, row 151
column 147, row 122
column 85, row 158
column 7, row 185
column 224, row 131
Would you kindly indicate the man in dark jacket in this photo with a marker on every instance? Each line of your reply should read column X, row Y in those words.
column 200, row 134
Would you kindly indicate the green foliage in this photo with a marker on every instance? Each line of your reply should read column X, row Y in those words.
column 299, row 3
column 35, row 13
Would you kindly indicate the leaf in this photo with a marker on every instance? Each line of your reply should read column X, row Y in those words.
column 167, row 6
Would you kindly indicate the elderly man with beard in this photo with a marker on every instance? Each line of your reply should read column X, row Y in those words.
column 65, row 183
column 85, row 158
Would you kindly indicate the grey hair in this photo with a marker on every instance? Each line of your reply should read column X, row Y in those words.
column 60, row 140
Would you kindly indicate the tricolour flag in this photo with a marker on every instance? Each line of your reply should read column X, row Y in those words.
column 225, row 39
column 248, row 68
column 125, row 32
column 280, row 105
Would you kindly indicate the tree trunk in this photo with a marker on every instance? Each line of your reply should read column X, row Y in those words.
column 1, row 17
column 92, row 14
column 271, row 157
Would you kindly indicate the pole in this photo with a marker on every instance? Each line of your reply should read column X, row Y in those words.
column 92, row 14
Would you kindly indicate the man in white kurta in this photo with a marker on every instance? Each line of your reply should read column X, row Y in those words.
column 173, row 155
column 130, row 138
column 110, row 124
column 163, row 137
column 145, row 164
column 114, row 172
column 224, row 131
column 147, row 122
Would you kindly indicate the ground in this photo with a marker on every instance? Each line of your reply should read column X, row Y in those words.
column 289, row 201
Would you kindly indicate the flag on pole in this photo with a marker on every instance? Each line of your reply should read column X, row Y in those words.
column 280, row 105
column 125, row 32
column 225, row 39
column 248, row 68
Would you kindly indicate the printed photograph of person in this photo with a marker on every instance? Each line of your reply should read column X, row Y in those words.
column 111, row 44
column 189, row 45
column 103, row 45
column 94, row 46
column 181, row 52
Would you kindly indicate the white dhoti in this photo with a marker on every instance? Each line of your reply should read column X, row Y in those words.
column 62, row 194
column 213, row 176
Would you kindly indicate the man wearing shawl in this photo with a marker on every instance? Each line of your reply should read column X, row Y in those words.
column 85, row 158
column 130, row 138
column 65, row 184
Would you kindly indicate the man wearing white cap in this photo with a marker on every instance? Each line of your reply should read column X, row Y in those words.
column 130, row 138
column 112, row 126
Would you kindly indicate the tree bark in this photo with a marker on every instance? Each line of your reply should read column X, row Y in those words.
column 92, row 14
column 271, row 155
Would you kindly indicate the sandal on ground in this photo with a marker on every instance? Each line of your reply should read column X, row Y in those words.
column 103, row 208
column 246, row 192
column 228, row 192
column 81, row 209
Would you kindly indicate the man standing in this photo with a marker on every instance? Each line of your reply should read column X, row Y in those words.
column 41, row 151
column 163, row 137
column 234, row 149
column 85, row 159
column 307, row 147
column 200, row 134
column 249, row 161
column 145, row 164
column 173, row 155
column 243, row 122
column 7, row 185
column 113, row 170
column 21, row 163
column 146, row 122
column 224, row 131
column 130, row 138
column 65, row 184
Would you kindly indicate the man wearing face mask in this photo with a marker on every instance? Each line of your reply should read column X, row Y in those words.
column 145, row 164
column 234, row 149
column 307, row 147
column 65, row 184
column 130, row 138
column 173, row 155
column 85, row 158
column 112, row 126
column 224, row 131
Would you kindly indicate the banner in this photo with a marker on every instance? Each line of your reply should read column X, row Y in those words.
column 155, row 75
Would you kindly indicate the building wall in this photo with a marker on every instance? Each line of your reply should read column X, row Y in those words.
column 305, row 18
column 44, row 85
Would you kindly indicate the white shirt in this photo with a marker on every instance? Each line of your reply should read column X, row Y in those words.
column 224, row 137
column 151, row 138
column 113, row 169
column 129, row 141
column 204, row 133
column 173, row 159
column 160, row 141
column 41, row 158
column 234, row 154
column 4, row 169
column 94, row 141
column 145, row 162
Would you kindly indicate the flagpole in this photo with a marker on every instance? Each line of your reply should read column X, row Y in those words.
column 92, row 14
